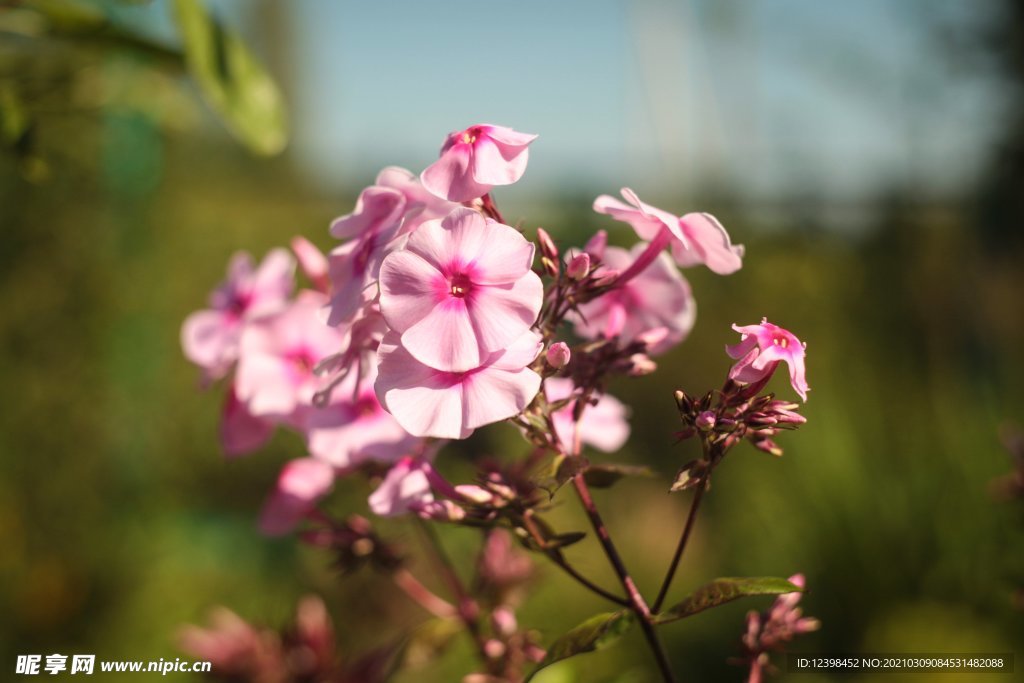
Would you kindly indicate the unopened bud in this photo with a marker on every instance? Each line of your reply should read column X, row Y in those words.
column 682, row 401
column 550, row 266
column 558, row 355
column 579, row 267
column 705, row 421
column 504, row 621
column 547, row 245
column 641, row 365
column 442, row 511
column 494, row 648
column 607, row 277
column 474, row 494
column 768, row 446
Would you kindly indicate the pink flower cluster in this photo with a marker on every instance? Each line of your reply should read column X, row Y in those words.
column 429, row 321
column 772, row 630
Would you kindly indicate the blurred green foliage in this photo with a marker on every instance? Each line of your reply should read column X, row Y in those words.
column 119, row 520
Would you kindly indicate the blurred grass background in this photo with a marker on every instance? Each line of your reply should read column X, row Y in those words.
column 119, row 520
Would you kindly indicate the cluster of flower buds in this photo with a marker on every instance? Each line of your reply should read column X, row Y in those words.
column 771, row 631
column 721, row 419
column 502, row 574
column 304, row 651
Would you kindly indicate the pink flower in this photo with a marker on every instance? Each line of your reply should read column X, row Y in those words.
column 210, row 337
column 694, row 238
column 301, row 484
column 354, row 427
column 475, row 160
column 429, row 402
column 405, row 488
column 759, row 352
column 460, row 290
column 242, row 432
column 603, row 425
column 658, row 299
column 275, row 377
column 395, row 206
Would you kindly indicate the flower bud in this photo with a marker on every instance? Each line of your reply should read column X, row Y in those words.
column 474, row 494
column 441, row 510
column 641, row 365
column 504, row 621
column 558, row 355
column 547, row 245
column 607, row 277
column 579, row 267
column 705, row 421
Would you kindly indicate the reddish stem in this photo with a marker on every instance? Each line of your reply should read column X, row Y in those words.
column 422, row 595
column 637, row 603
column 660, row 241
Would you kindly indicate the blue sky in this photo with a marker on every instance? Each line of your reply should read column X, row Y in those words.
column 770, row 97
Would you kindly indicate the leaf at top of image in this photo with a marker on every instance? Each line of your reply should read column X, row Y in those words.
column 233, row 83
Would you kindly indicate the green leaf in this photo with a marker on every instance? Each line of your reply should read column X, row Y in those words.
column 721, row 591
column 596, row 633
column 604, row 476
column 233, row 83
column 562, row 469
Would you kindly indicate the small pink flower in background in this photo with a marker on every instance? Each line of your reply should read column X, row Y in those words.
column 232, row 645
column 354, row 427
column 210, row 337
column 759, row 352
column 300, row 485
column 475, row 160
column 312, row 262
column 461, row 289
column 406, row 488
column 602, row 426
column 242, row 432
column 694, row 238
column 420, row 204
column 659, row 297
column 772, row 630
column 378, row 210
column 275, row 377
column 429, row 402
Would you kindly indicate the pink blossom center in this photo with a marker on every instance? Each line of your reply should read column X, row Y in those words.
column 470, row 135
column 302, row 361
column 459, row 285
column 779, row 340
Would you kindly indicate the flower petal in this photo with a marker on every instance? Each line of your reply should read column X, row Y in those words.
column 494, row 394
column 502, row 254
column 424, row 401
column 410, row 287
column 498, row 164
column 444, row 339
column 709, row 244
column 451, row 177
column 501, row 314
